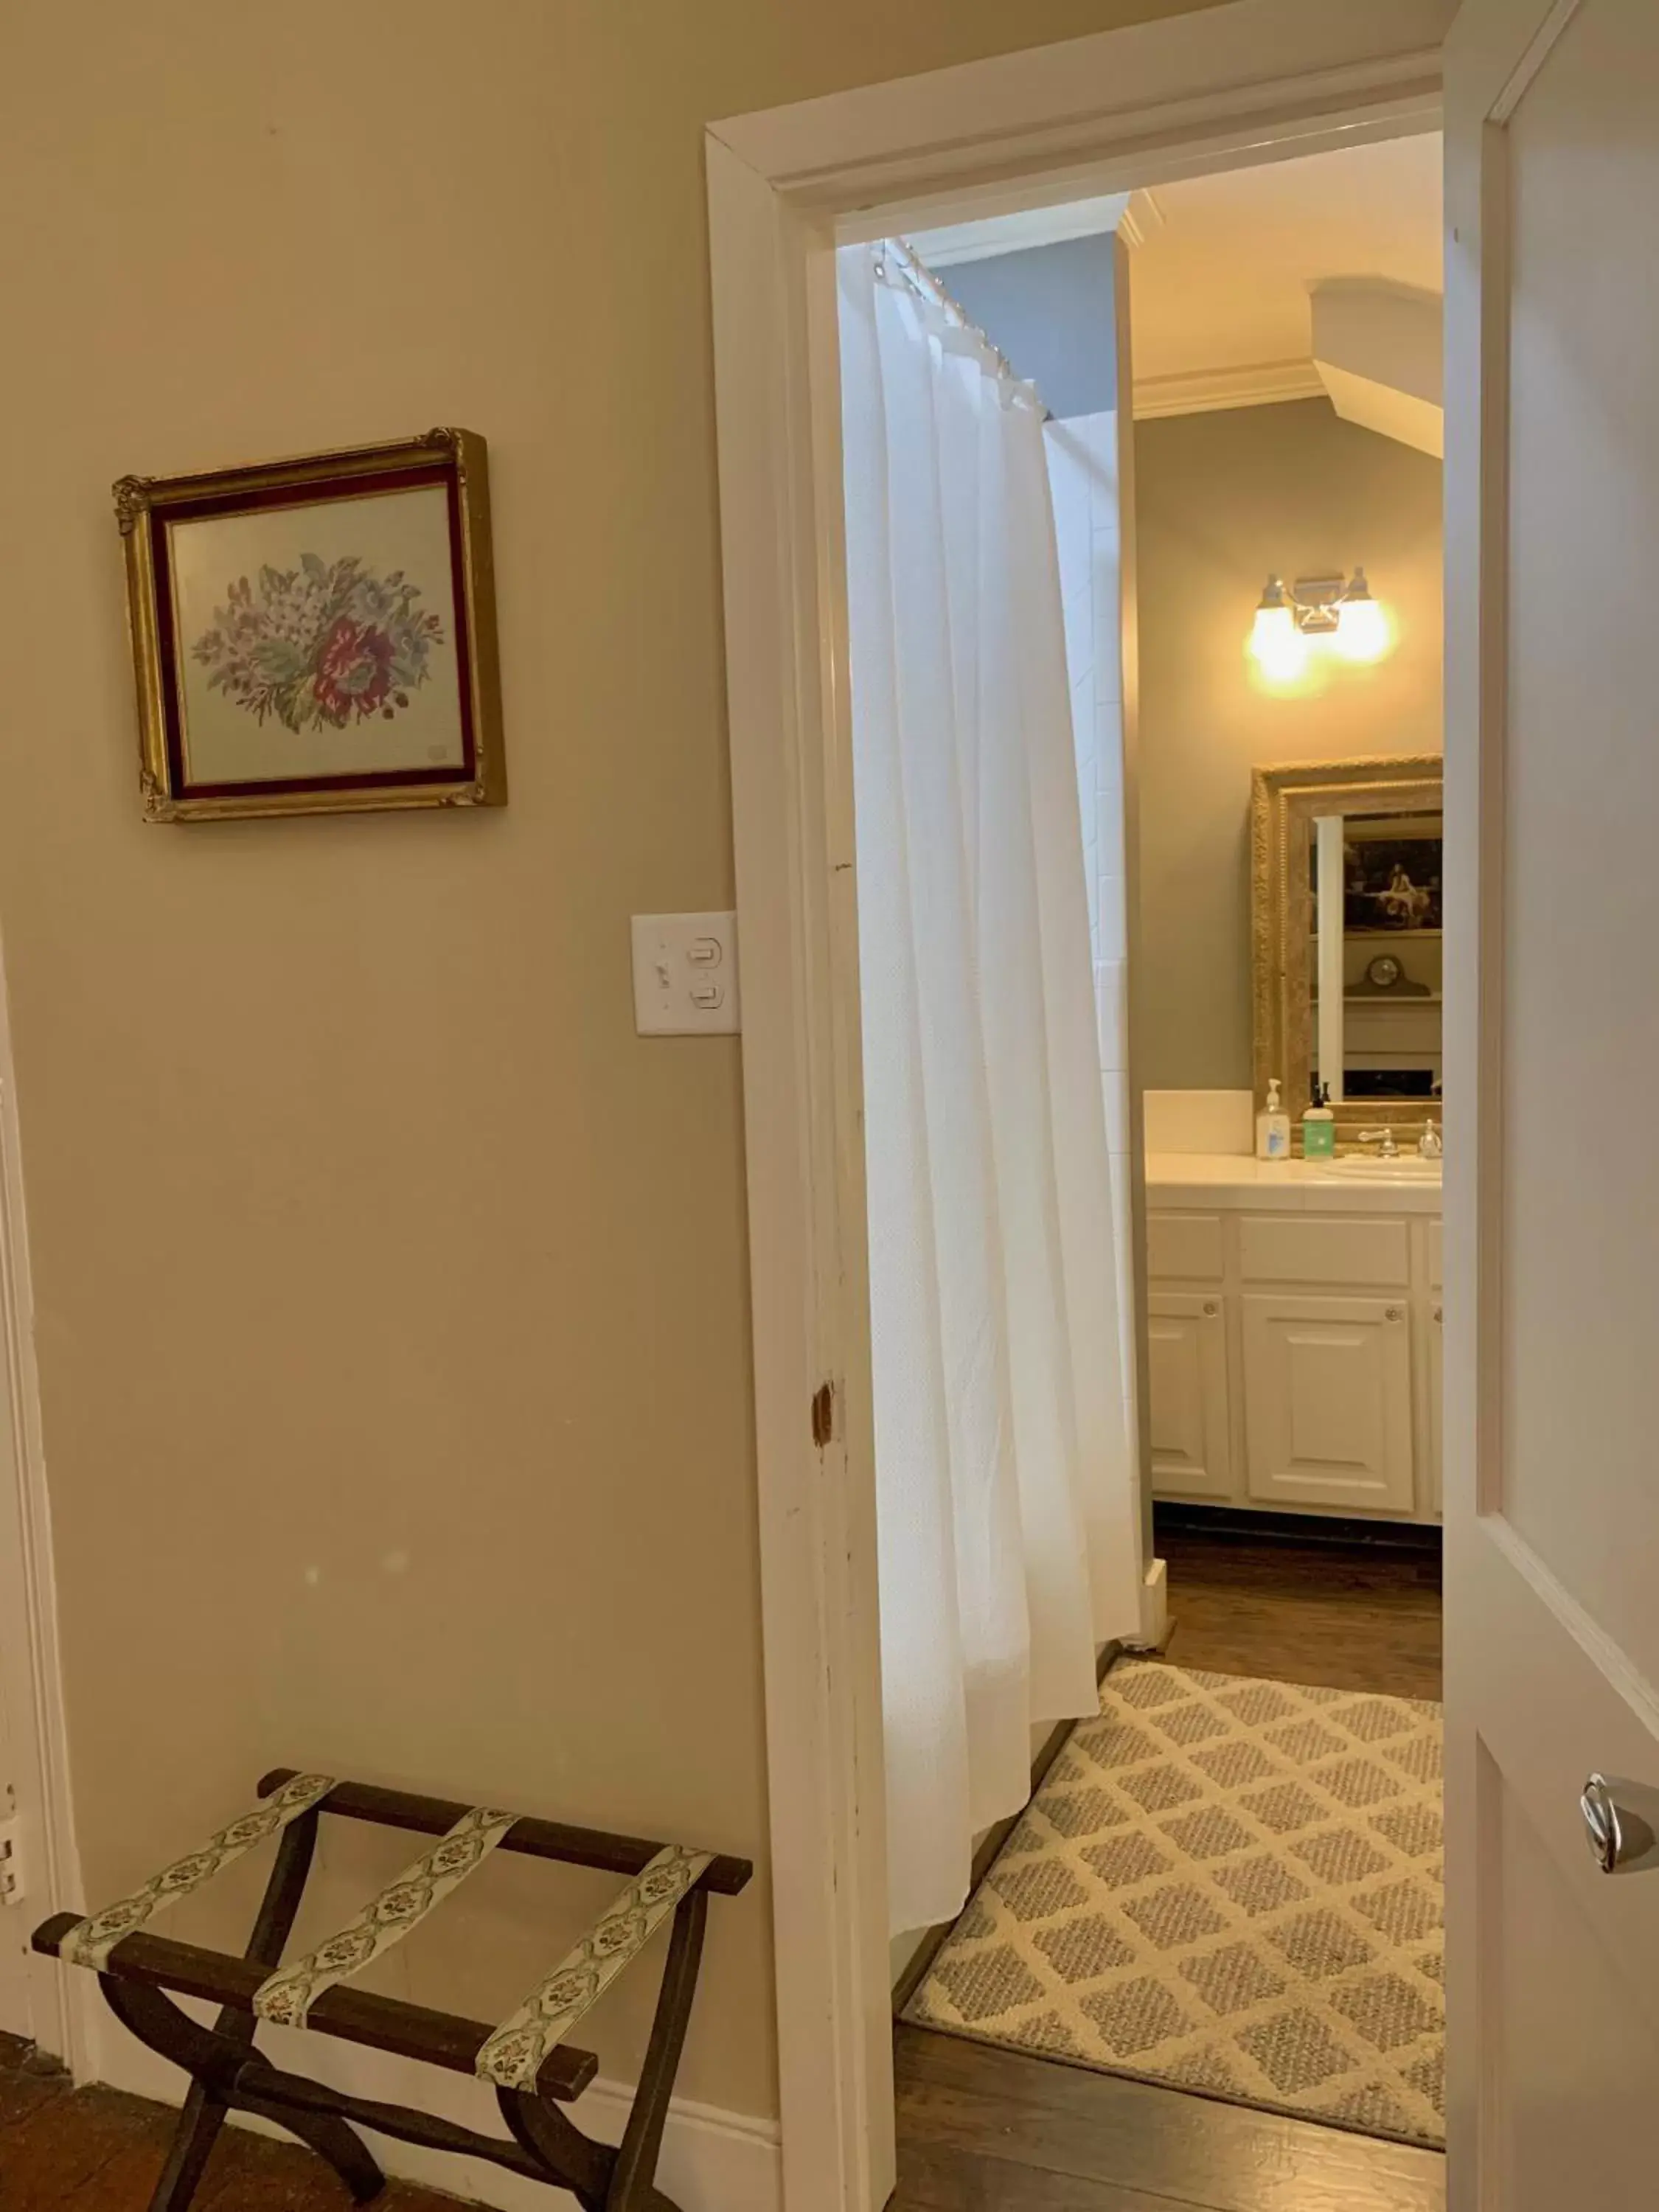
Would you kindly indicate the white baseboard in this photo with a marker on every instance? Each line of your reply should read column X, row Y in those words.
column 712, row 2160
column 1154, row 1608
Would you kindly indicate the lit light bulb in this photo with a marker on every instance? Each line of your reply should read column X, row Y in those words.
column 1361, row 628
column 1276, row 643
column 1284, row 659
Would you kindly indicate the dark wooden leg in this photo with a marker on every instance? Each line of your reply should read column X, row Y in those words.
column 193, row 2141
column 570, row 2158
column 205, row 2107
column 341, row 2147
column 633, row 2176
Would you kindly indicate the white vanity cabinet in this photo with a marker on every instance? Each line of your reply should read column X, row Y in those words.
column 1187, row 1346
column 1295, row 1346
column 1327, row 1403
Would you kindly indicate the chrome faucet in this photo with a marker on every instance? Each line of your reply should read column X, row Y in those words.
column 1431, row 1145
column 1383, row 1139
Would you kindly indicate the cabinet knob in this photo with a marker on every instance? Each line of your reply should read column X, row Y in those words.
column 1437, row 1313
column 1392, row 1313
column 1211, row 1308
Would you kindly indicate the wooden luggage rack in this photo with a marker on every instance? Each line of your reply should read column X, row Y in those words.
column 526, row 2061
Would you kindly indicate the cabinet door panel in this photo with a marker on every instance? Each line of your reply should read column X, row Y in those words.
column 1327, row 1403
column 1288, row 1248
column 1184, row 1246
column 1187, row 1347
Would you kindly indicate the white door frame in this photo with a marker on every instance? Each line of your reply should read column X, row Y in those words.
column 1250, row 81
column 29, row 1668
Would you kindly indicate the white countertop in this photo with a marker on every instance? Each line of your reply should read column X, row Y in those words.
column 1237, row 1180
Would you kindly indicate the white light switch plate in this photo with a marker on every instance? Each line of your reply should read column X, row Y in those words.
column 685, row 975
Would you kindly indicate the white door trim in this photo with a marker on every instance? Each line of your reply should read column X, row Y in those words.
column 1229, row 85
column 29, row 1659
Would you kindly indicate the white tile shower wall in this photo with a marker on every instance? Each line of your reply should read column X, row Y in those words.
column 1198, row 1121
column 1083, row 481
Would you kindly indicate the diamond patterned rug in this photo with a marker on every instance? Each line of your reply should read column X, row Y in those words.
column 1228, row 1885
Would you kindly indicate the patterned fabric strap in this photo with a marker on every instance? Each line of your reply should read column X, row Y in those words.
column 90, row 1943
column 515, row 2055
column 288, row 1996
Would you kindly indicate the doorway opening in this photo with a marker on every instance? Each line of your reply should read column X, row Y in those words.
column 788, row 190
column 1227, row 1881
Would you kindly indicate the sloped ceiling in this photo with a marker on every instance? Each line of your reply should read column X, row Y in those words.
column 1222, row 288
column 1378, row 349
column 1231, row 273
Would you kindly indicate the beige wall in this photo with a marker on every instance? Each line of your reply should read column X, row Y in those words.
column 392, row 1294
column 1221, row 501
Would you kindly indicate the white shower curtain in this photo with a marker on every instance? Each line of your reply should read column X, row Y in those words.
column 1007, row 1496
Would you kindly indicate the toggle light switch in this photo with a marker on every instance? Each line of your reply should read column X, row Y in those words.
column 686, row 974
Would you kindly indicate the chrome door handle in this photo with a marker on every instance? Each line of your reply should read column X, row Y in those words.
column 1621, row 1822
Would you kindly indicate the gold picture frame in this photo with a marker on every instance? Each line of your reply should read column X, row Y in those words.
column 1285, row 802
column 316, row 634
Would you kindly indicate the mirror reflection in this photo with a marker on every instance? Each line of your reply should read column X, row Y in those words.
column 1347, row 928
column 1375, row 968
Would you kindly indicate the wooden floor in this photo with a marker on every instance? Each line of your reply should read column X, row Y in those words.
column 1351, row 1616
column 96, row 2150
column 988, row 2130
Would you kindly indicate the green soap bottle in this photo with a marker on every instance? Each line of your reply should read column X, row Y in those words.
column 1319, row 1125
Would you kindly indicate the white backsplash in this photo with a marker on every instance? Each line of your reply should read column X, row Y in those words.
column 1200, row 1121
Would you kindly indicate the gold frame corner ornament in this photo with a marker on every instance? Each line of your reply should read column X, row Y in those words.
column 1284, row 799
column 137, row 498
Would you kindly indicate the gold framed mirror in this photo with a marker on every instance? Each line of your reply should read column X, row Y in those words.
column 1345, row 957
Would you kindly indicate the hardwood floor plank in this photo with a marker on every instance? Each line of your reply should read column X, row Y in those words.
column 55, row 2156
column 1351, row 1617
column 28, row 2085
column 261, row 2173
column 127, row 2182
column 63, row 2149
column 932, row 2179
column 975, row 2099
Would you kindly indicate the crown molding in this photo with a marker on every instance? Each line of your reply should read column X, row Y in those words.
column 1133, row 216
column 1207, row 390
column 1140, row 220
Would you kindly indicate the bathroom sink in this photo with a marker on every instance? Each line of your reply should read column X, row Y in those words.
column 1369, row 1167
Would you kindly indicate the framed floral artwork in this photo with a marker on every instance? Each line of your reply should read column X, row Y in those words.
column 318, row 634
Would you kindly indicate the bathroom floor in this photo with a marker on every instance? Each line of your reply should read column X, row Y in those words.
column 1349, row 1615
column 1000, row 2131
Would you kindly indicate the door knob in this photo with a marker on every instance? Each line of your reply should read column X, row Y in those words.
column 1621, row 1822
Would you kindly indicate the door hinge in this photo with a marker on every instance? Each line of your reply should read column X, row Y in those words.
column 13, row 1888
column 823, row 1415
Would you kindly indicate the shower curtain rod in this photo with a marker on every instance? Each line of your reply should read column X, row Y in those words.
column 901, row 258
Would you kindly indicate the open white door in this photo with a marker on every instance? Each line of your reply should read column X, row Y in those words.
column 15, row 2017
column 1553, row 1227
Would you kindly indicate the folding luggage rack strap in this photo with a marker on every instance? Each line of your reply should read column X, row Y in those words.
column 525, row 2059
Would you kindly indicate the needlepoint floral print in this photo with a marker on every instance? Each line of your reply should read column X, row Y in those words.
column 318, row 641
column 316, row 634
column 322, row 645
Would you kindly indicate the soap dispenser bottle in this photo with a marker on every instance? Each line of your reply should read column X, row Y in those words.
column 1272, row 1126
column 1319, row 1125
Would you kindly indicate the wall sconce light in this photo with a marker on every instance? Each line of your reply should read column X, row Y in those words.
column 1293, row 619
